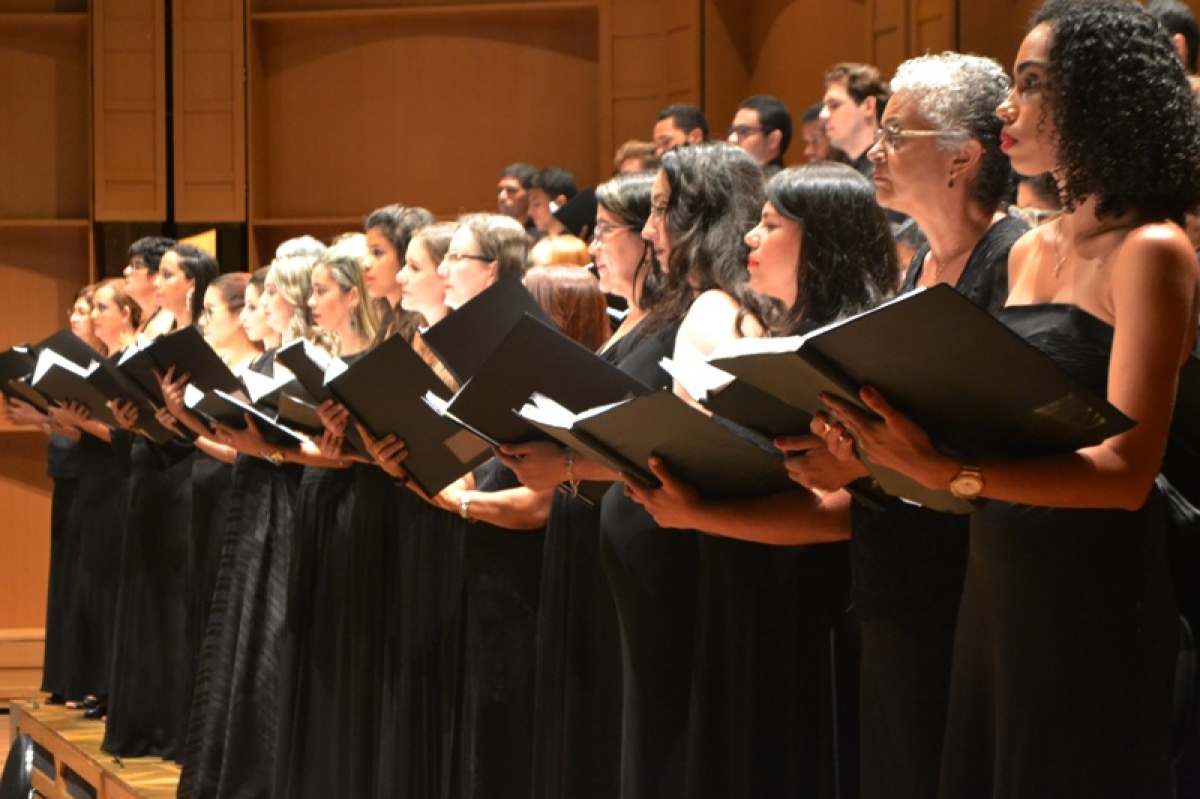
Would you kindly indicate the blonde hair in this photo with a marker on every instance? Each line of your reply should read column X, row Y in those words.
column 560, row 250
column 292, row 278
column 344, row 259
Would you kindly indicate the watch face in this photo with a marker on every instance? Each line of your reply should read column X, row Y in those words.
column 966, row 486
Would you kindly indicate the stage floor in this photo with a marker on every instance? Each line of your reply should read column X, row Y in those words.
column 69, row 762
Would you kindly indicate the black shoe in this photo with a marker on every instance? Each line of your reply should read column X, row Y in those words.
column 56, row 699
column 87, row 703
column 98, row 713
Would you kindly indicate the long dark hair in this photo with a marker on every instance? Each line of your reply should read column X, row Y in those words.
column 202, row 268
column 397, row 224
column 716, row 196
column 847, row 258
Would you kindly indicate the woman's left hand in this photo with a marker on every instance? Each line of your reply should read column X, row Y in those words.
column 248, row 441
column 893, row 440
column 673, row 504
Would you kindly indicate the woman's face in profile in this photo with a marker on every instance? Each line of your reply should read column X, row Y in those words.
column 421, row 287
column 172, row 285
column 1028, row 134
column 774, row 258
column 381, row 265
column 279, row 310
column 617, row 251
column 655, row 230
column 466, row 270
column 254, row 315
column 910, row 167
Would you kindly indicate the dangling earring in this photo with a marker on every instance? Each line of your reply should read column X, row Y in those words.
column 951, row 183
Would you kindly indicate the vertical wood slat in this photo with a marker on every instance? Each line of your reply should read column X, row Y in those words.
column 933, row 26
column 653, row 60
column 129, row 106
column 889, row 34
column 209, row 51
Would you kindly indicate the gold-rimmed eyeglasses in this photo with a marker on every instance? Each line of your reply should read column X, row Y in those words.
column 893, row 137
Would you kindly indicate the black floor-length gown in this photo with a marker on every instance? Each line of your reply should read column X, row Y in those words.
column 211, row 487
column 577, row 705
column 652, row 572
column 153, row 659
column 312, row 660
column 501, row 570
column 1067, row 632
column 95, row 538
column 764, row 717
column 61, row 467
column 231, row 740
column 422, row 657
column 909, row 564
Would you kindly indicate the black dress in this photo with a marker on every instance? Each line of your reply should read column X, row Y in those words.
column 231, row 740
column 1067, row 633
column 909, row 564
column 153, row 659
column 311, row 659
column 502, row 571
column 95, row 536
column 577, row 705
column 61, row 467
column 652, row 572
column 211, row 486
column 424, row 608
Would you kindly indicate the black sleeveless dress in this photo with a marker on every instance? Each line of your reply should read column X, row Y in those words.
column 1067, row 633
column 909, row 563
column 652, row 573
column 231, row 741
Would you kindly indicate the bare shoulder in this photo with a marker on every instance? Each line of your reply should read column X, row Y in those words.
column 710, row 321
column 1158, row 253
column 1025, row 249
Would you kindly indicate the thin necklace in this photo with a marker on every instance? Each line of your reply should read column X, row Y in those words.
column 939, row 265
column 1059, row 254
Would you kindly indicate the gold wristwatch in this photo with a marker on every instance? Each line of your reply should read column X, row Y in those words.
column 968, row 483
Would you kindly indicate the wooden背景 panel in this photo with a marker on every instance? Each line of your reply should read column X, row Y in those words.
column 129, row 111
column 348, row 115
column 41, row 269
column 25, row 534
column 210, row 110
column 44, row 128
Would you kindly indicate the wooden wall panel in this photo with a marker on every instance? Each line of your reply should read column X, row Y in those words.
column 41, row 268
column 932, row 26
column 656, row 55
column 995, row 28
column 779, row 47
column 25, row 534
column 372, row 109
column 129, row 90
column 43, row 129
column 889, row 34
column 210, row 110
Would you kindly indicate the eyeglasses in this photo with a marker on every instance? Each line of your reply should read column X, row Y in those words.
column 603, row 231
column 740, row 132
column 456, row 257
column 893, row 137
column 658, row 210
column 1033, row 216
column 138, row 264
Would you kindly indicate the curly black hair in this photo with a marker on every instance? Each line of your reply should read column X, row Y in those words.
column 716, row 198
column 1127, row 126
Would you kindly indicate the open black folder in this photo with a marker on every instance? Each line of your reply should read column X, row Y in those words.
column 68, row 368
column 465, row 339
column 714, row 459
column 189, row 353
column 973, row 384
column 535, row 358
column 16, row 367
column 384, row 390
column 308, row 365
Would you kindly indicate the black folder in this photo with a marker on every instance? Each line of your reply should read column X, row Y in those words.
column 465, row 339
column 188, row 352
column 231, row 411
column 383, row 390
column 106, row 383
column 308, row 364
column 16, row 366
column 973, row 384
column 717, row 461
column 535, row 358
